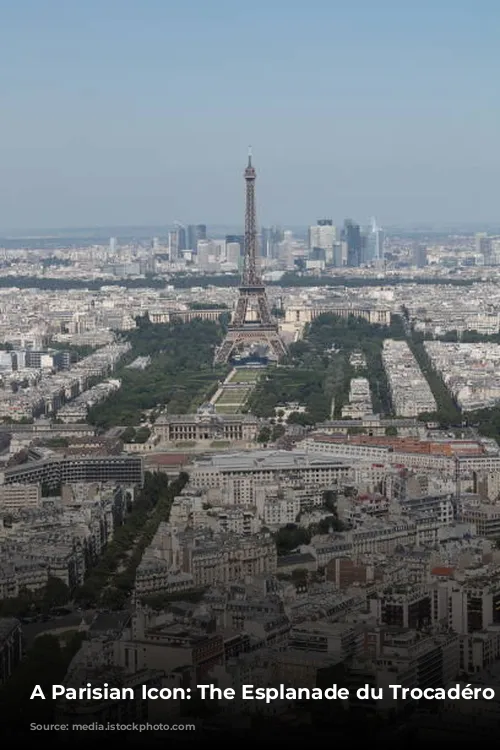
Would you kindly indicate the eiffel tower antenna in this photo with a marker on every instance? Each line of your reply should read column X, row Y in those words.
column 252, row 295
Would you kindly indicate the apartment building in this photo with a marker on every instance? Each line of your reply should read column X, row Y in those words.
column 152, row 643
column 471, row 604
column 337, row 638
column 409, row 658
column 269, row 467
column 211, row 557
column 279, row 511
column 125, row 470
column 305, row 314
column 359, row 400
column 156, row 577
column 14, row 497
column 372, row 425
column 470, row 371
column 410, row 392
column 49, row 391
column 374, row 536
column 484, row 516
column 58, row 540
column 449, row 456
column 403, row 607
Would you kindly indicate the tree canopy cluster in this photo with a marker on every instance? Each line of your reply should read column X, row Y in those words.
column 55, row 284
column 131, row 435
column 207, row 306
column 110, row 581
column 318, row 369
column 448, row 413
column 188, row 281
column 292, row 535
column 294, row 279
column 29, row 603
column 110, row 578
column 270, row 433
column 180, row 374
column 76, row 352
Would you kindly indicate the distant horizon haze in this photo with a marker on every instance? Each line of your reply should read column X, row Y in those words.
column 141, row 112
column 217, row 231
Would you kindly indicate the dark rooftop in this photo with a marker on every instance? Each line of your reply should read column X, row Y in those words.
column 297, row 559
column 110, row 621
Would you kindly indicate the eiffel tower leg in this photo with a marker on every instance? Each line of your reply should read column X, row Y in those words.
column 240, row 313
column 224, row 352
column 264, row 311
column 277, row 346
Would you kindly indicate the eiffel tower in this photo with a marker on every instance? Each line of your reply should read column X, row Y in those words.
column 260, row 328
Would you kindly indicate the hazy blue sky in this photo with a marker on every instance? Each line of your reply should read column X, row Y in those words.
column 140, row 111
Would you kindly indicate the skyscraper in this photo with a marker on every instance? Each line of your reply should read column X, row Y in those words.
column 270, row 239
column 374, row 246
column 420, row 256
column 182, row 237
column 234, row 254
column 340, row 254
column 351, row 235
column 322, row 238
column 173, row 246
column 265, row 242
column 484, row 247
column 239, row 239
column 195, row 233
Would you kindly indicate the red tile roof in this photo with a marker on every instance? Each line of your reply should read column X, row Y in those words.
column 442, row 571
column 168, row 459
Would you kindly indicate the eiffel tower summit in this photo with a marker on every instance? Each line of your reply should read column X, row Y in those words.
column 252, row 322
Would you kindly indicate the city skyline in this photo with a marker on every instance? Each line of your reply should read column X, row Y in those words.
column 376, row 110
column 126, row 233
column 250, row 398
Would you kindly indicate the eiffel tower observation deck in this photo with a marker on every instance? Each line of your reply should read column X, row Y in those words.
column 252, row 322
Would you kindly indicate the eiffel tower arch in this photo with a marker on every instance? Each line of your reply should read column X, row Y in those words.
column 252, row 322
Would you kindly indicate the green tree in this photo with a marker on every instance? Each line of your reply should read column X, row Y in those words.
column 88, row 593
column 116, row 568
column 277, row 432
column 142, row 434
column 56, row 592
column 317, row 372
column 330, row 523
column 297, row 417
column 24, row 605
column 264, row 435
column 128, row 435
column 290, row 537
column 330, row 500
column 113, row 598
column 180, row 373
column 300, row 576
